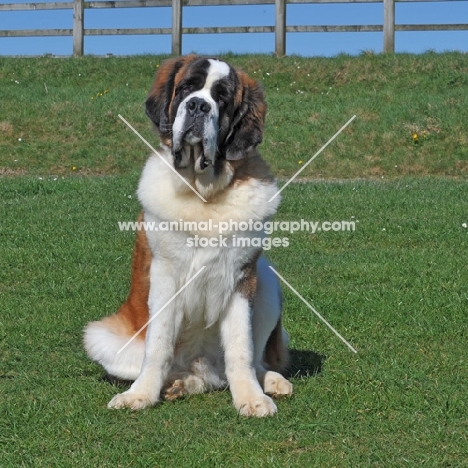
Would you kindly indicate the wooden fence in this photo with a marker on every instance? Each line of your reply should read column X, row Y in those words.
column 280, row 28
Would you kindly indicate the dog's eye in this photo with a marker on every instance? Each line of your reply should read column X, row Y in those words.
column 186, row 90
column 222, row 101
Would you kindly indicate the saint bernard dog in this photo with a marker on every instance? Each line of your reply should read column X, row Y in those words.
column 223, row 329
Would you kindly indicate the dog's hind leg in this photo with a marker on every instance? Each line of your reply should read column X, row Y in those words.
column 201, row 378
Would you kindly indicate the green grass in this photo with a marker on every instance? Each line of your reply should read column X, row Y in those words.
column 395, row 288
column 54, row 106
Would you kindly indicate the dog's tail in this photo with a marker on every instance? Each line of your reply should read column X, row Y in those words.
column 276, row 352
column 108, row 341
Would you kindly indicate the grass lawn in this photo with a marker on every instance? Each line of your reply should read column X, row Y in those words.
column 395, row 287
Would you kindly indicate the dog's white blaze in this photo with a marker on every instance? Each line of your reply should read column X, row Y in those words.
column 216, row 72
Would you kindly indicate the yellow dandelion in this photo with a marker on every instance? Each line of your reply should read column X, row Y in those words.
column 300, row 161
column 74, row 168
column 415, row 137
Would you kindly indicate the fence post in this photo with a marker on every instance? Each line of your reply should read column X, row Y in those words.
column 78, row 27
column 389, row 26
column 176, row 27
column 280, row 27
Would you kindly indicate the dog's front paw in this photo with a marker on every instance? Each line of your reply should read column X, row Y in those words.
column 258, row 406
column 131, row 400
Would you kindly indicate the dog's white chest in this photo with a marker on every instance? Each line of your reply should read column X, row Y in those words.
column 205, row 276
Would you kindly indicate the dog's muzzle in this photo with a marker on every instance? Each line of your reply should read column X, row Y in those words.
column 195, row 134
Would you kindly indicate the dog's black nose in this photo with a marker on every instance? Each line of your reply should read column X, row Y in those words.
column 198, row 107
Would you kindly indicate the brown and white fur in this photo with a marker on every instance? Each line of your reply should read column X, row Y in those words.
column 224, row 328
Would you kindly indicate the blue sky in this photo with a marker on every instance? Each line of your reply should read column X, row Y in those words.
column 311, row 44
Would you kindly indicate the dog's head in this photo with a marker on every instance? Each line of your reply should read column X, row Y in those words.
column 206, row 111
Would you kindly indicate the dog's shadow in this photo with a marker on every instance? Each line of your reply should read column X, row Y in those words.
column 304, row 363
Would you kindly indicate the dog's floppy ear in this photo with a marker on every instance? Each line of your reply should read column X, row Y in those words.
column 246, row 131
column 160, row 97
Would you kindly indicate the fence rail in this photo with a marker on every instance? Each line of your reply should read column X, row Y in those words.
column 280, row 29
